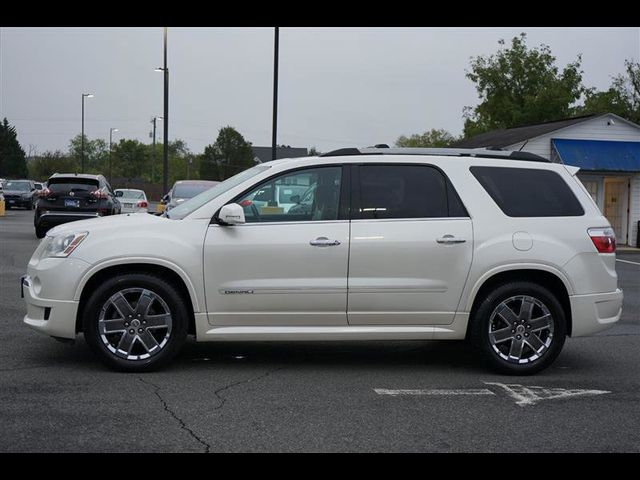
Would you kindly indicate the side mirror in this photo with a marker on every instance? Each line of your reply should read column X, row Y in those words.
column 295, row 198
column 231, row 214
column 165, row 199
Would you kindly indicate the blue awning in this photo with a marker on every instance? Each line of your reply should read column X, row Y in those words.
column 601, row 155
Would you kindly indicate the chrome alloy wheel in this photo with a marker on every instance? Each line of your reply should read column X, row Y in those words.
column 521, row 329
column 135, row 323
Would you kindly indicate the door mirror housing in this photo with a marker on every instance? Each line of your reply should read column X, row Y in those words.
column 231, row 214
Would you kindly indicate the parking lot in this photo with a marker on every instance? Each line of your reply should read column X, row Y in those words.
column 366, row 396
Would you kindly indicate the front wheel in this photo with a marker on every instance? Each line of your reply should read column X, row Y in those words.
column 135, row 322
column 41, row 232
column 519, row 327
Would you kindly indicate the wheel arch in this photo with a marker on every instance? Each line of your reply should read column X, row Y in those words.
column 174, row 275
column 554, row 281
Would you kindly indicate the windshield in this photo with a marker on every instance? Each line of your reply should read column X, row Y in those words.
column 182, row 190
column 134, row 194
column 17, row 186
column 196, row 202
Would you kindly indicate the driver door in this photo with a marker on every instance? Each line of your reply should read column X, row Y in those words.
column 287, row 265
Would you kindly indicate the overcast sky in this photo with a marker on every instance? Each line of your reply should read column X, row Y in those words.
column 338, row 86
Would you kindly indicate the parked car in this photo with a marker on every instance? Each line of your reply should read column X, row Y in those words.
column 503, row 248
column 183, row 190
column 70, row 196
column 132, row 200
column 20, row 193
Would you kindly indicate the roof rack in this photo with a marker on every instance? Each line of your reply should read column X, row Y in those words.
column 450, row 152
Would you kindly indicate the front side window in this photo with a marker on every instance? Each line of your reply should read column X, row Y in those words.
column 304, row 195
column 402, row 191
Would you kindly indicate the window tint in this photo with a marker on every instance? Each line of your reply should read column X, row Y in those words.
column 402, row 191
column 528, row 192
column 64, row 185
column 304, row 195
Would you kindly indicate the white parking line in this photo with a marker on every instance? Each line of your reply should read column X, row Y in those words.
column 522, row 395
column 627, row 261
column 463, row 391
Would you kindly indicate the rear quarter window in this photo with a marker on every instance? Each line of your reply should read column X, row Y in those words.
column 528, row 192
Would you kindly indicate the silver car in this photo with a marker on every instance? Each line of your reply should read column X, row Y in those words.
column 184, row 190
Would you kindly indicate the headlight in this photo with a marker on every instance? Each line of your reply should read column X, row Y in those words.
column 62, row 245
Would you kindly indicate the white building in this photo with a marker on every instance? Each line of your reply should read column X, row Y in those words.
column 606, row 148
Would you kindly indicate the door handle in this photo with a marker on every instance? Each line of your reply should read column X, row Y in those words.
column 450, row 240
column 324, row 242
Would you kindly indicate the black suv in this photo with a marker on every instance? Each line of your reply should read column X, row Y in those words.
column 71, row 196
column 20, row 193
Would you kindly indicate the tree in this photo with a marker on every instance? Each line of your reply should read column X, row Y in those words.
column 96, row 154
column 131, row 159
column 314, row 152
column 622, row 97
column 13, row 162
column 436, row 138
column 519, row 86
column 230, row 154
column 45, row 165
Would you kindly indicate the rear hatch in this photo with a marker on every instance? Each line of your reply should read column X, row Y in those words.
column 71, row 194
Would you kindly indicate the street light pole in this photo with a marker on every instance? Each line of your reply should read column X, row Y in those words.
column 111, row 130
column 275, row 94
column 84, row 95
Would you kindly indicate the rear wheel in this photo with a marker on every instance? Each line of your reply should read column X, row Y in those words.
column 135, row 322
column 519, row 327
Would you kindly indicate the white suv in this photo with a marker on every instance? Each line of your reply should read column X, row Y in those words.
column 503, row 248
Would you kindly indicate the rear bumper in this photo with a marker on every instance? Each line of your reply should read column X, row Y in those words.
column 51, row 219
column 596, row 312
column 56, row 318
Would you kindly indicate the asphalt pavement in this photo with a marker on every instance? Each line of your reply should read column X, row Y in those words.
column 334, row 397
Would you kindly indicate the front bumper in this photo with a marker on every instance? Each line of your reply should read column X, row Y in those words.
column 56, row 318
column 17, row 202
column 595, row 312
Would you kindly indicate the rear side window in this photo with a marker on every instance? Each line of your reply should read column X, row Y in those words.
column 406, row 191
column 528, row 192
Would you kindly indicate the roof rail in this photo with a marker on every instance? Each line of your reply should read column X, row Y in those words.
column 450, row 152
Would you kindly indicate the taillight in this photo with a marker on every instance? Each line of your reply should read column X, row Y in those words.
column 604, row 239
column 245, row 203
column 142, row 204
column 99, row 194
column 45, row 192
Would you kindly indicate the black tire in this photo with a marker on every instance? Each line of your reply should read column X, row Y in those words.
column 41, row 232
column 495, row 355
column 100, row 299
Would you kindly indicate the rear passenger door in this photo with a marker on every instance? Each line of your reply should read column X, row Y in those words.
column 411, row 246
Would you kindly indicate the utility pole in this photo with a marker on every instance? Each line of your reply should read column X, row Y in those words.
column 111, row 130
column 153, row 153
column 275, row 94
column 165, row 152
